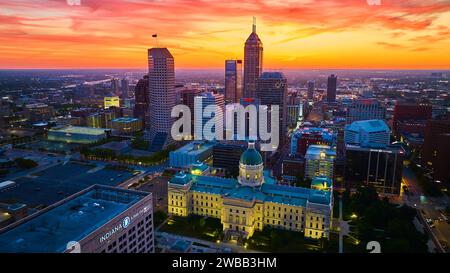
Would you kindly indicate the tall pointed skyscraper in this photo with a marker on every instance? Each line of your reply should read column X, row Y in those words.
column 253, row 62
column 161, row 74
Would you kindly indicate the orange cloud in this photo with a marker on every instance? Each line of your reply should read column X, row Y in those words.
column 296, row 34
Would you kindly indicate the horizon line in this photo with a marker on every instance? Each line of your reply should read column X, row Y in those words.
column 223, row 68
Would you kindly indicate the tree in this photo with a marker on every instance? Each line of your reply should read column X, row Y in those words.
column 25, row 163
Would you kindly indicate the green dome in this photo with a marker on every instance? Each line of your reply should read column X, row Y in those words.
column 251, row 156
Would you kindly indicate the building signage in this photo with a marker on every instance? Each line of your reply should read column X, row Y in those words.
column 123, row 224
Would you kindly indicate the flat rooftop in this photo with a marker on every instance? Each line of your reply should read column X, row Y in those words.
column 79, row 130
column 56, row 183
column 373, row 125
column 195, row 148
column 125, row 119
column 70, row 220
column 315, row 151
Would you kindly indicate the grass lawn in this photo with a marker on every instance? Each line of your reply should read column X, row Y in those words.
column 204, row 228
column 274, row 240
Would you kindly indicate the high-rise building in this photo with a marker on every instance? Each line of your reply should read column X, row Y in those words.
column 365, row 109
column 115, row 86
column 410, row 111
column 124, row 89
column 99, row 219
column 208, row 99
column 435, row 148
column 373, row 133
column 331, row 88
column 380, row 167
column 187, row 98
column 253, row 62
column 142, row 98
column 111, row 101
column 233, row 80
column 161, row 72
column 310, row 90
column 272, row 90
column 319, row 161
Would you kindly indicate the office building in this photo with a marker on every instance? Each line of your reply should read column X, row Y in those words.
column 191, row 153
column 305, row 136
column 226, row 156
column 364, row 110
column 38, row 112
column 110, row 102
column 142, row 98
column 126, row 125
column 293, row 167
column 331, row 88
column 124, row 89
column 209, row 99
column 310, row 94
column 99, row 219
column 272, row 90
column 319, row 161
column 410, row 112
column 233, row 81
column 188, row 99
column 75, row 134
column 253, row 62
column 249, row 203
column 368, row 133
column 96, row 120
column 380, row 167
column 436, row 148
column 115, row 86
column 161, row 72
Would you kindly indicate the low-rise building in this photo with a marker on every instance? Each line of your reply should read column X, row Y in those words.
column 76, row 134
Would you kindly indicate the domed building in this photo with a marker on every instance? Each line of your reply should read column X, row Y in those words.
column 248, row 203
column 251, row 167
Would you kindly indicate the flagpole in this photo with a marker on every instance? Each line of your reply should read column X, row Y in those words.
column 156, row 39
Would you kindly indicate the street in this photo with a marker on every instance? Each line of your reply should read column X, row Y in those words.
column 428, row 207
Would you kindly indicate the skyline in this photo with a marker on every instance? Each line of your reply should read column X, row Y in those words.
column 306, row 34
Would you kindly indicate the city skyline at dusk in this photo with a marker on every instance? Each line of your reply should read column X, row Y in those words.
column 302, row 34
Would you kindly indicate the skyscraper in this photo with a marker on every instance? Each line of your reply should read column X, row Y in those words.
column 233, row 80
column 187, row 98
column 125, row 89
column 161, row 73
column 142, row 97
column 253, row 62
column 331, row 88
column 208, row 99
column 310, row 90
column 115, row 86
column 272, row 90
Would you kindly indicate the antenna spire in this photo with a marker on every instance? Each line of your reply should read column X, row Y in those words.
column 254, row 24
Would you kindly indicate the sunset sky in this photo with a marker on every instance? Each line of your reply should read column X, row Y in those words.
column 407, row 34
